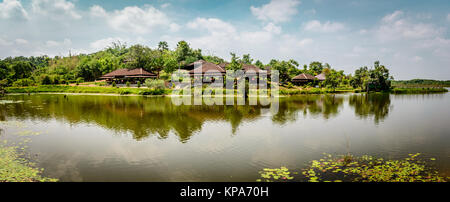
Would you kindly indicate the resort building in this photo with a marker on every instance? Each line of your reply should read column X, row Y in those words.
column 321, row 77
column 303, row 78
column 121, row 76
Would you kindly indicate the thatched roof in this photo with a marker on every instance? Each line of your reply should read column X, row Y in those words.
column 246, row 68
column 321, row 77
column 304, row 77
column 129, row 73
column 208, row 68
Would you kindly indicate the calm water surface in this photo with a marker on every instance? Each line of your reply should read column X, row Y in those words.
column 124, row 138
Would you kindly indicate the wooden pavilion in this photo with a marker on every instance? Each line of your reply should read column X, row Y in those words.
column 121, row 76
column 303, row 78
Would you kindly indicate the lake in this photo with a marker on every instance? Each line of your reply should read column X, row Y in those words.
column 135, row 138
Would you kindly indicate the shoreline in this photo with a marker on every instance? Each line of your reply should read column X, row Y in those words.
column 125, row 91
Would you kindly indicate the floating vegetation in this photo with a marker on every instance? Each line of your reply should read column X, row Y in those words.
column 23, row 131
column 28, row 133
column 371, row 169
column 15, row 168
column 275, row 175
column 348, row 168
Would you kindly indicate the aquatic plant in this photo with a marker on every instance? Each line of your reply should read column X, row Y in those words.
column 348, row 168
column 371, row 169
column 275, row 175
column 14, row 168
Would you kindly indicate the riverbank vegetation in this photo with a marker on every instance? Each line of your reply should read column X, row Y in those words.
column 418, row 90
column 15, row 168
column 37, row 74
column 87, row 89
column 348, row 168
column 421, row 83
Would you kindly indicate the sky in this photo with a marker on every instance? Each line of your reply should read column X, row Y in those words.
column 410, row 37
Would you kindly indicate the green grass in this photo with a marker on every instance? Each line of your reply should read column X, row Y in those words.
column 312, row 91
column 86, row 89
column 418, row 90
column 14, row 168
column 147, row 91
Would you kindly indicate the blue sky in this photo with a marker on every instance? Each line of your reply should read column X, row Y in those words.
column 411, row 37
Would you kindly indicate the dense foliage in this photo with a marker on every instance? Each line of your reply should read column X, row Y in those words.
column 44, row 70
column 422, row 82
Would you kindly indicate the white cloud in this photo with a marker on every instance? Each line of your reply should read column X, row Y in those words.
column 5, row 42
column 328, row 26
column 174, row 27
column 213, row 25
column 221, row 38
column 392, row 17
column 55, row 8
column 97, row 11
column 394, row 26
column 135, row 19
column 12, row 8
column 103, row 43
column 305, row 42
column 417, row 58
column 21, row 41
column 276, row 10
column 272, row 28
column 65, row 42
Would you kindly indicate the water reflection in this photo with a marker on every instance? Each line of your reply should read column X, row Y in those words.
column 292, row 107
column 142, row 117
column 368, row 105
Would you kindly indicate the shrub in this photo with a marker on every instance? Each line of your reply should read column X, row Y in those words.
column 113, row 84
column 153, row 92
column 138, row 84
column 23, row 82
column 46, row 80
column 56, row 79
column 80, row 80
column 155, row 84
column 128, row 84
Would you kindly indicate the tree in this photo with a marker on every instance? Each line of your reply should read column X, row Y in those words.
column 259, row 64
column 379, row 79
column 170, row 61
column 315, row 68
column 185, row 54
column 163, row 46
column 287, row 69
column 360, row 79
column 235, row 63
column 4, row 69
column 21, row 69
column 333, row 78
column 213, row 59
column 246, row 59
column 139, row 57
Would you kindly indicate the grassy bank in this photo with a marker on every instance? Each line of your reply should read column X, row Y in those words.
column 314, row 91
column 418, row 90
column 86, row 89
column 14, row 168
column 147, row 91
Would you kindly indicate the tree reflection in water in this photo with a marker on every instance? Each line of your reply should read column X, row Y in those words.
column 373, row 104
column 145, row 116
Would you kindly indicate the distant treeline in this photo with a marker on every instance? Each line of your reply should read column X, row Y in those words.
column 422, row 82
